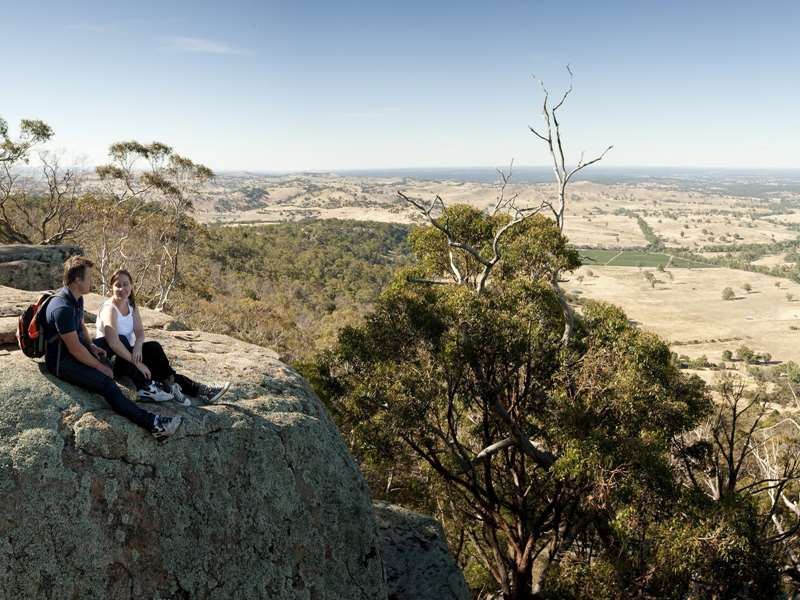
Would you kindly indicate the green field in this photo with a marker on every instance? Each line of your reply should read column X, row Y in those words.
column 635, row 258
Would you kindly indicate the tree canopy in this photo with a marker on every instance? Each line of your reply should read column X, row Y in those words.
column 556, row 459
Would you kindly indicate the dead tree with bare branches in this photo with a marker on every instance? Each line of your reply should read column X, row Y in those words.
column 434, row 212
column 34, row 211
column 44, row 209
column 144, row 215
column 551, row 136
column 735, row 455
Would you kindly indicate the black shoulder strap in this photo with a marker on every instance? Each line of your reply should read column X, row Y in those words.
column 43, row 311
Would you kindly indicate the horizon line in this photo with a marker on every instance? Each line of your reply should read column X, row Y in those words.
column 495, row 168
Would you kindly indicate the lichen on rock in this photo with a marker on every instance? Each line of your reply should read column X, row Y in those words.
column 417, row 562
column 254, row 497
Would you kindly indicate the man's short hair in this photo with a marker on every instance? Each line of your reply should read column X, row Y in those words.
column 75, row 268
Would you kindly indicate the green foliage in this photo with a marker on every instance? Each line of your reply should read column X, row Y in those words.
column 533, row 246
column 744, row 353
column 271, row 285
column 31, row 132
column 634, row 258
column 436, row 374
column 701, row 362
column 27, row 214
column 654, row 243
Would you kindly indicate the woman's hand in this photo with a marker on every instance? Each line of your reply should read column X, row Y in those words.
column 143, row 368
column 98, row 352
column 136, row 354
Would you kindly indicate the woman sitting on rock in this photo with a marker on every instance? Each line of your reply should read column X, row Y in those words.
column 120, row 332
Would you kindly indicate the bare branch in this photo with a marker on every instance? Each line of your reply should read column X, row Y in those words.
column 430, row 281
column 583, row 165
column 566, row 93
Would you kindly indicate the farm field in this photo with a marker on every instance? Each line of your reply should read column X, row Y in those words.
column 685, row 308
column 612, row 225
column 636, row 258
column 600, row 216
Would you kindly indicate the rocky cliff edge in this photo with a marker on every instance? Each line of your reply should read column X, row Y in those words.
column 254, row 497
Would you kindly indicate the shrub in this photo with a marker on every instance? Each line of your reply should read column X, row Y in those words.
column 744, row 353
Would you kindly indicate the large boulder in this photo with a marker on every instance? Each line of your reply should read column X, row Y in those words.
column 30, row 267
column 253, row 497
column 415, row 556
column 12, row 303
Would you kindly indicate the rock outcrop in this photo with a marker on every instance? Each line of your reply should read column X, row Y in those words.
column 29, row 267
column 417, row 562
column 254, row 497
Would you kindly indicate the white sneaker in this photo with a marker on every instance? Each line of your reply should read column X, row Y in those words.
column 164, row 427
column 177, row 395
column 153, row 393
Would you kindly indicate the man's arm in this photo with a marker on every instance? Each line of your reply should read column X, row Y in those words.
column 86, row 334
column 66, row 327
column 80, row 352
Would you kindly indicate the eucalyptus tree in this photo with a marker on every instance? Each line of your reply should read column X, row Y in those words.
column 143, row 214
column 36, row 210
column 554, row 436
column 539, row 440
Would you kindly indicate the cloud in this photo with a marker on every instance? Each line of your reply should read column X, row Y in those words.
column 204, row 46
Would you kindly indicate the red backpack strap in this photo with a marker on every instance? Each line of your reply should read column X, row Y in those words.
column 41, row 307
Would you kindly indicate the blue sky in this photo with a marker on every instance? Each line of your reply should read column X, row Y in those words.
column 334, row 85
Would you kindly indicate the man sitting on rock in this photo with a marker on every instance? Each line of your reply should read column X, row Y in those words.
column 72, row 357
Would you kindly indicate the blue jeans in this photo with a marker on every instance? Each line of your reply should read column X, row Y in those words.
column 75, row 372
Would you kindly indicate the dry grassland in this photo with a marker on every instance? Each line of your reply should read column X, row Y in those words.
column 687, row 310
column 691, row 315
column 602, row 216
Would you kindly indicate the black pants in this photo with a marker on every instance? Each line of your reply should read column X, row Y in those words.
column 77, row 373
column 155, row 359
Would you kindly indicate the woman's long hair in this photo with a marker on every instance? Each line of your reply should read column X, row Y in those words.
column 116, row 275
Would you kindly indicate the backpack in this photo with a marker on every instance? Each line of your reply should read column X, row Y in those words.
column 31, row 327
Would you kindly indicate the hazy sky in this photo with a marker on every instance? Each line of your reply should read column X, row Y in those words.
column 322, row 85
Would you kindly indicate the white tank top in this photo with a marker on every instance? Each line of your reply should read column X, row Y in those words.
column 124, row 323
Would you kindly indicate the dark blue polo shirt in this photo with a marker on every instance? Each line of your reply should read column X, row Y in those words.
column 64, row 314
